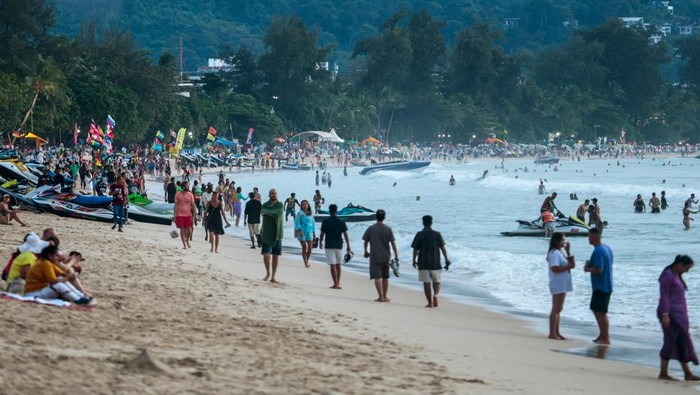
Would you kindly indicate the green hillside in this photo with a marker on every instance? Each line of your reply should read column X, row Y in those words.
column 207, row 25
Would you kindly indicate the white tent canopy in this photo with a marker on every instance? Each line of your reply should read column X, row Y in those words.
column 322, row 136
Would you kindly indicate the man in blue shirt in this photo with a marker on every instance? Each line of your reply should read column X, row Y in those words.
column 600, row 267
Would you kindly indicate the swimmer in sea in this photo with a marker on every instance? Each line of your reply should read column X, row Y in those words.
column 686, row 215
column 486, row 173
column 417, row 198
column 541, row 189
column 639, row 206
column 452, row 180
column 664, row 204
column 654, row 203
column 581, row 211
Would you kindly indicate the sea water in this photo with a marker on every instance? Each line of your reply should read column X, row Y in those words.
column 510, row 273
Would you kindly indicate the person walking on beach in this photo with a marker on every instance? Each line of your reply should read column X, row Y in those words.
column 184, row 213
column 251, row 218
column 272, row 233
column 600, row 267
column 672, row 312
column 118, row 193
column 333, row 230
column 305, row 231
column 318, row 201
column 427, row 245
column 560, row 266
column 213, row 214
column 378, row 238
column 170, row 191
column 290, row 205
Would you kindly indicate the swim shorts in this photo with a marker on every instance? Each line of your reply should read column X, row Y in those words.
column 334, row 256
column 378, row 270
column 274, row 250
column 184, row 222
column 600, row 301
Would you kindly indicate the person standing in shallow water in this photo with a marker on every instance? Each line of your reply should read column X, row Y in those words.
column 672, row 312
column 664, row 203
column 560, row 266
column 600, row 267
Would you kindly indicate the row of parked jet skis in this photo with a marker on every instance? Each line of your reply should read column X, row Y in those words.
column 22, row 182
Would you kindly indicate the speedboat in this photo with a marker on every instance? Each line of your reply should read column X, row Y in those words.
column 399, row 165
column 350, row 213
column 570, row 226
column 546, row 160
column 358, row 162
column 295, row 166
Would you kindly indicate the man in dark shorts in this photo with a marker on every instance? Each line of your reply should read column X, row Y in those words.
column 272, row 233
column 333, row 229
column 427, row 245
column 600, row 267
column 379, row 237
column 251, row 218
column 290, row 205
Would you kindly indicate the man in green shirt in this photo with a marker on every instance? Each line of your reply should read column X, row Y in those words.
column 272, row 233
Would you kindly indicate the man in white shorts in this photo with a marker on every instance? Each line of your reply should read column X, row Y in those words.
column 427, row 245
column 333, row 229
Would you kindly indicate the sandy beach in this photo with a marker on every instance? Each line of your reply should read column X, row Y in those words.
column 210, row 325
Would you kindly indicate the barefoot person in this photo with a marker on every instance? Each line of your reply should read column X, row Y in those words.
column 673, row 315
column 214, row 213
column 305, row 230
column 378, row 238
column 333, row 230
column 272, row 233
column 7, row 213
column 427, row 245
column 600, row 268
column 184, row 212
column 560, row 266
column 251, row 218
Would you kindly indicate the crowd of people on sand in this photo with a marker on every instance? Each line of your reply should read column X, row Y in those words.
column 40, row 269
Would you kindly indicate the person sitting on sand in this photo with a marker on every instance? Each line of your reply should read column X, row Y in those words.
column 45, row 280
column 70, row 263
column 22, row 260
column 7, row 214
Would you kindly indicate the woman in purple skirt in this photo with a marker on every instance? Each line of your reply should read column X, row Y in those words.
column 673, row 314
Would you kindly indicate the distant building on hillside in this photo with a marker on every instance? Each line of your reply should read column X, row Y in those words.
column 215, row 65
column 665, row 29
column 630, row 21
column 511, row 23
column 685, row 30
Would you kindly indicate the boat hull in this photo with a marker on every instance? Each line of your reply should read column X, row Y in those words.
column 395, row 166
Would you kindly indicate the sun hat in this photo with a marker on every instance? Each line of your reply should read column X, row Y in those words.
column 33, row 244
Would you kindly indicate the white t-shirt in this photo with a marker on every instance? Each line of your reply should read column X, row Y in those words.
column 558, row 282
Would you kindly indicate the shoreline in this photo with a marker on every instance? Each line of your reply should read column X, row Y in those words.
column 215, row 326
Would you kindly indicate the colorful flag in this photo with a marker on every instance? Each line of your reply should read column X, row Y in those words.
column 110, row 121
column 160, row 135
column 172, row 133
column 212, row 131
column 16, row 134
column 210, row 137
column 158, row 146
column 181, row 138
column 249, row 140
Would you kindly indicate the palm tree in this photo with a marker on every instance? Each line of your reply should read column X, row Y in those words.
column 47, row 82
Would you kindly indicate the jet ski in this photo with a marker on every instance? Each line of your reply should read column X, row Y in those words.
column 569, row 226
column 13, row 170
column 350, row 213
column 144, row 210
column 53, row 204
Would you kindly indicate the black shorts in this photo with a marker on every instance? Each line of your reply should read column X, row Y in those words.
column 274, row 249
column 378, row 271
column 655, row 210
column 600, row 301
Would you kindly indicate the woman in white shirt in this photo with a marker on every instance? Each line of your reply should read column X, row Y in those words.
column 560, row 266
column 88, row 183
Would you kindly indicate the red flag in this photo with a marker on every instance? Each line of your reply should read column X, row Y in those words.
column 212, row 131
column 75, row 133
column 16, row 134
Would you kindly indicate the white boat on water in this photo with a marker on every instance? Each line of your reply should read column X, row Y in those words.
column 399, row 165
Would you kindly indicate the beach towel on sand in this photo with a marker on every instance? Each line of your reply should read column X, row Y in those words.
column 4, row 296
